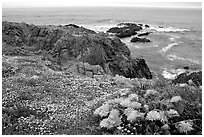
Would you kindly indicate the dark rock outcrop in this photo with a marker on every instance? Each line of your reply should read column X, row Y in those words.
column 144, row 34
column 72, row 25
column 65, row 44
column 125, row 29
column 136, row 39
column 146, row 26
column 189, row 77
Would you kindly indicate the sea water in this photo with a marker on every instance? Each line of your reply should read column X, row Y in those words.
column 176, row 41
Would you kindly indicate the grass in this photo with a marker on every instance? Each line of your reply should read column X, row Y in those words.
column 40, row 100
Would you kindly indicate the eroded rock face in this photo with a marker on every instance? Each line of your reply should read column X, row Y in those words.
column 189, row 78
column 71, row 43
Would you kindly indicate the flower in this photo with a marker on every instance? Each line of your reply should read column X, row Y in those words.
column 172, row 113
column 115, row 101
column 133, row 96
column 175, row 99
column 107, row 123
column 114, row 114
column 150, row 92
column 125, row 103
column 132, row 116
column 153, row 115
column 135, row 105
column 127, row 111
column 146, row 107
column 184, row 126
column 102, row 110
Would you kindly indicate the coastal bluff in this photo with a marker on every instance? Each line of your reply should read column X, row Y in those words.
column 72, row 43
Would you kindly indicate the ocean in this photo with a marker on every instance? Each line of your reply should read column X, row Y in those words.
column 176, row 41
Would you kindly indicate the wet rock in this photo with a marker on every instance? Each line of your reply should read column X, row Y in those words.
column 146, row 26
column 144, row 34
column 125, row 29
column 136, row 39
column 189, row 77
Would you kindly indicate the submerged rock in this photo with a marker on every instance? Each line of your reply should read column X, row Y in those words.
column 136, row 39
column 189, row 78
column 77, row 44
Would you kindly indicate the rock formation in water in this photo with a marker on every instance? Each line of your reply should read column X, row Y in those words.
column 136, row 39
column 125, row 30
column 71, row 43
column 194, row 78
column 144, row 34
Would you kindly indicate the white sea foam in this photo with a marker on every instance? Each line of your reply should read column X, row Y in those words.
column 171, row 74
column 167, row 29
column 100, row 28
column 174, row 57
column 168, row 47
column 172, row 39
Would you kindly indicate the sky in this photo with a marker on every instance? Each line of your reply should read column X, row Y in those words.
column 73, row 3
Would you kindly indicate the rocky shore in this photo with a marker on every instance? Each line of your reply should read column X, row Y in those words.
column 56, row 80
column 71, row 43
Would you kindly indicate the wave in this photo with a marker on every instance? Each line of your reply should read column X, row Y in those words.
column 163, row 50
column 100, row 28
column 167, row 29
column 174, row 57
column 172, row 73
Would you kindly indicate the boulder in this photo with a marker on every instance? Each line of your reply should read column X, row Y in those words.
column 144, row 34
column 189, row 77
column 136, row 39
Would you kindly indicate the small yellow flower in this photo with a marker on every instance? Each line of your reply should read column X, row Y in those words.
column 153, row 115
column 175, row 99
column 184, row 126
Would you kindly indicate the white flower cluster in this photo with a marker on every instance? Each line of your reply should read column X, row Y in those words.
column 150, row 92
column 172, row 113
column 113, row 120
column 153, row 115
column 184, row 126
column 175, row 99
column 134, row 115
column 103, row 110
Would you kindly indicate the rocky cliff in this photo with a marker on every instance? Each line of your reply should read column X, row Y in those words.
column 70, row 43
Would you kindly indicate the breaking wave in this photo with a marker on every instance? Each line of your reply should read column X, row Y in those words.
column 163, row 50
column 171, row 74
column 167, row 29
column 174, row 57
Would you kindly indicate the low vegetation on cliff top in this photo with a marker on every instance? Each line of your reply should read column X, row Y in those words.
column 40, row 100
